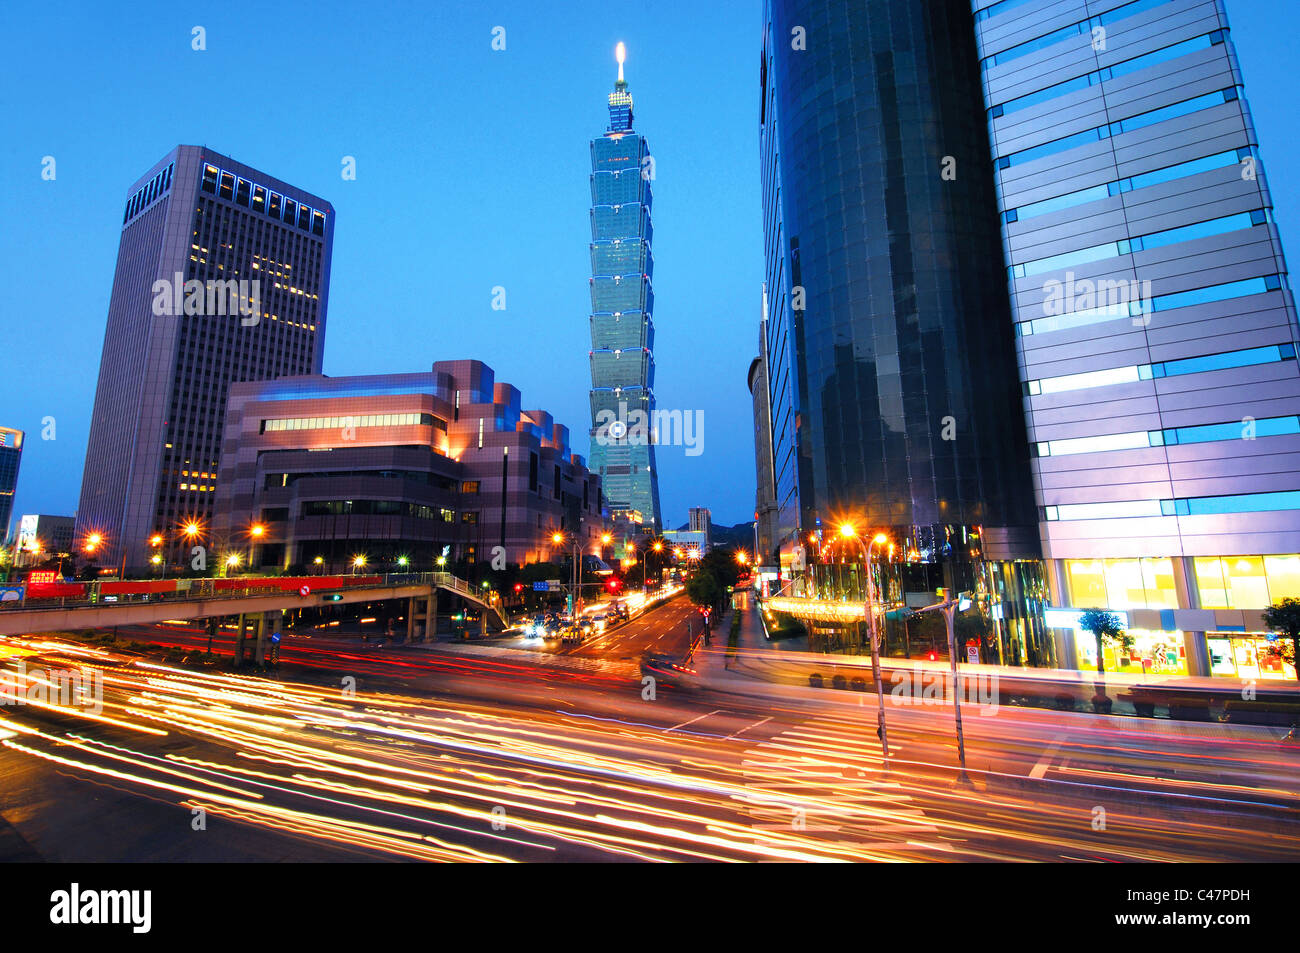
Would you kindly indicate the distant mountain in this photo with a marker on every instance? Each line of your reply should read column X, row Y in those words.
column 740, row 536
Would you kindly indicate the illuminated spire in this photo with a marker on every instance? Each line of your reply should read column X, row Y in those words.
column 620, row 100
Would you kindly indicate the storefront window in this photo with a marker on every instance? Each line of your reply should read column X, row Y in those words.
column 1087, row 583
column 1247, row 656
column 1124, row 584
column 1153, row 652
column 1247, row 587
column 1209, row 582
column 1283, row 573
column 1158, row 579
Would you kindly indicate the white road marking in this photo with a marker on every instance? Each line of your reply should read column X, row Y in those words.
column 1045, row 761
column 747, row 727
column 694, row 720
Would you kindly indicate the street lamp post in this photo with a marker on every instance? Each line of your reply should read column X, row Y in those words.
column 949, row 606
column 848, row 531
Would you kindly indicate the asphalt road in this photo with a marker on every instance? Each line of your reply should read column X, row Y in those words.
column 424, row 753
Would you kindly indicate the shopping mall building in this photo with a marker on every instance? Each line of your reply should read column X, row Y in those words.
column 443, row 465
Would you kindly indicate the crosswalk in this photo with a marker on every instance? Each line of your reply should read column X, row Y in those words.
column 822, row 782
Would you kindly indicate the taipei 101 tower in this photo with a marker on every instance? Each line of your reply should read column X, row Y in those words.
column 622, row 327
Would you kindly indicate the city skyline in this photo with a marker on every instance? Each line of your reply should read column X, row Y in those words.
column 413, row 192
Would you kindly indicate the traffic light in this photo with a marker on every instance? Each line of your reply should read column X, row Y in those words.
column 332, row 597
column 614, row 585
column 900, row 615
column 519, row 587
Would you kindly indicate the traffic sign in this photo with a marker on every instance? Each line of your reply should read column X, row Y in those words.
column 304, row 590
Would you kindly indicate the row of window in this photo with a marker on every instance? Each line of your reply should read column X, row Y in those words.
column 1140, row 243
column 282, row 480
column 1003, row 6
column 249, row 194
column 1110, row 189
column 1145, row 372
column 1074, row 29
column 377, row 508
column 347, row 422
column 1222, row 582
column 157, row 186
column 1192, row 506
column 1097, row 77
column 1102, row 133
column 1136, row 308
column 1173, row 436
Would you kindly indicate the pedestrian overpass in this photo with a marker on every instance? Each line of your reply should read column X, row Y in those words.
column 259, row 602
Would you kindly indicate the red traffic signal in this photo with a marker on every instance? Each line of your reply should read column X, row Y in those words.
column 613, row 585
column 519, row 587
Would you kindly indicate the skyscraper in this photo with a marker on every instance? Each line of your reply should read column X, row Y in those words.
column 894, row 400
column 622, row 326
column 11, row 455
column 1154, row 322
column 222, row 276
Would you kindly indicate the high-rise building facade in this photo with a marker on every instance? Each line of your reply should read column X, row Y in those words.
column 894, row 394
column 11, row 456
column 622, row 324
column 222, row 276
column 1153, row 320
column 765, row 492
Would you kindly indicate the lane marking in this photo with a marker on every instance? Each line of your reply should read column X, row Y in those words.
column 754, row 725
column 1045, row 761
column 694, row 720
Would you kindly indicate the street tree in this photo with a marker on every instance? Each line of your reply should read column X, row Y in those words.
column 1107, row 629
column 1284, row 617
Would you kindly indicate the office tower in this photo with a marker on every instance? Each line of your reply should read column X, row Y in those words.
column 442, row 464
column 11, row 456
column 41, row 535
column 222, row 276
column 765, row 493
column 1154, row 323
column 622, row 325
column 894, row 395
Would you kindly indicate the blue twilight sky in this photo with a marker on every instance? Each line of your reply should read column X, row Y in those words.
column 472, row 172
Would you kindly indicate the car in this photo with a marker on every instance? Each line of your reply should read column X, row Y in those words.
column 573, row 633
column 598, row 622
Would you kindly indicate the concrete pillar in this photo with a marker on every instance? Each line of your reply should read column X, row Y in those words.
column 260, row 622
column 239, row 640
column 1057, row 584
column 1067, row 650
column 1198, row 653
column 410, row 620
column 431, row 616
column 482, row 622
column 1189, row 597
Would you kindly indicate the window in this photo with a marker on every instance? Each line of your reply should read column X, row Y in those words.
column 242, row 192
column 209, row 184
column 290, row 210
column 1146, row 583
column 532, row 472
column 469, row 517
column 275, row 208
column 470, row 486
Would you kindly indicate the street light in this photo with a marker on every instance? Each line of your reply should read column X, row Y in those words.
column 558, row 539
column 320, row 561
column 848, row 531
column 255, row 533
column 950, row 607
column 358, row 562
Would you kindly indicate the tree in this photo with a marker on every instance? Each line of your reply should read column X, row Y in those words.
column 703, row 589
column 1106, row 628
column 1284, row 617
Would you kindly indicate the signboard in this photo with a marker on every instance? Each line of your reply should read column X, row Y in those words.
column 42, row 578
column 304, row 590
column 541, row 586
column 972, row 653
column 11, row 593
column 27, row 532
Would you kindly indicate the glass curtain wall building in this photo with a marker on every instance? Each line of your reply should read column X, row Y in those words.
column 11, row 457
column 222, row 276
column 1154, row 324
column 894, row 391
column 622, row 325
